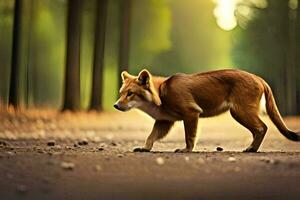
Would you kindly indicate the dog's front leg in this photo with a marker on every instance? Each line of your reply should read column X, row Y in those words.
column 160, row 130
column 190, row 129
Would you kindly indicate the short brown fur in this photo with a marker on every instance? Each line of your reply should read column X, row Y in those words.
column 190, row 96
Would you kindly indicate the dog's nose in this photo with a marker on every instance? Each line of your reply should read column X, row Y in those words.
column 116, row 106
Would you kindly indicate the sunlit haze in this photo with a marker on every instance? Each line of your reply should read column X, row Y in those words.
column 224, row 13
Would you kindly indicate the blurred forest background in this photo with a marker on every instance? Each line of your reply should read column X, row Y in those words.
column 68, row 54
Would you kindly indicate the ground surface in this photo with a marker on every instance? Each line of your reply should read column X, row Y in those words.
column 45, row 155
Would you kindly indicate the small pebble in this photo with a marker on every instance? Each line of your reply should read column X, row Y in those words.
column 219, row 149
column 2, row 143
column 120, row 155
column 98, row 168
column 83, row 142
column 231, row 159
column 113, row 144
column 100, row 149
column 68, row 147
column 51, row 143
column 187, row 158
column 67, row 165
column 269, row 160
column 103, row 145
column 201, row 161
column 274, row 162
column 160, row 161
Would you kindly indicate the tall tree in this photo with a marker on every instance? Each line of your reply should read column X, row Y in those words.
column 298, row 57
column 15, row 62
column 266, row 47
column 97, row 83
column 125, row 9
column 72, row 74
column 281, row 11
column 291, row 56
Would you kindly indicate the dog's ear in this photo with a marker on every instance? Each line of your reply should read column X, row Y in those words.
column 144, row 77
column 125, row 75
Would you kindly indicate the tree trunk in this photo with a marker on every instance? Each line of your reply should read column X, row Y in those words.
column 96, row 95
column 15, row 62
column 297, row 29
column 125, row 10
column 291, row 84
column 281, row 14
column 72, row 74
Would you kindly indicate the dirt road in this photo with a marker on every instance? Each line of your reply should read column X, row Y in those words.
column 45, row 155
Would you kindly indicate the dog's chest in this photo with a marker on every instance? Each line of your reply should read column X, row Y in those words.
column 156, row 112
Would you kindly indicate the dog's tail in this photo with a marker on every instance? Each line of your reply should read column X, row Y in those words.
column 275, row 116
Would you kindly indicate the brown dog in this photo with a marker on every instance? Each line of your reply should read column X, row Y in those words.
column 190, row 96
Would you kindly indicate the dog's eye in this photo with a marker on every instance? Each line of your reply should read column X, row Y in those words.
column 129, row 93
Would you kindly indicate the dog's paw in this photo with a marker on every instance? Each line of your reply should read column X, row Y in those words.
column 250, row 150
column 185, row 150
column 140, row 149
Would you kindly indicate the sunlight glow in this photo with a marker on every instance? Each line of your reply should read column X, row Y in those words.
column 224, row 13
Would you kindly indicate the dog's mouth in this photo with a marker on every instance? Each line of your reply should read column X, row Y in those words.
column 121, row 108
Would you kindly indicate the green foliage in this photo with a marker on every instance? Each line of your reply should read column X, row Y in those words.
column 164, row 39
column 199, row 42
column 46, row 58
column 262, row 45
column 6, row 23
column 167, row 36
column 111, row 76
column 86, row 53
column 150, row 31
column 263, row 41
column 184, row 34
